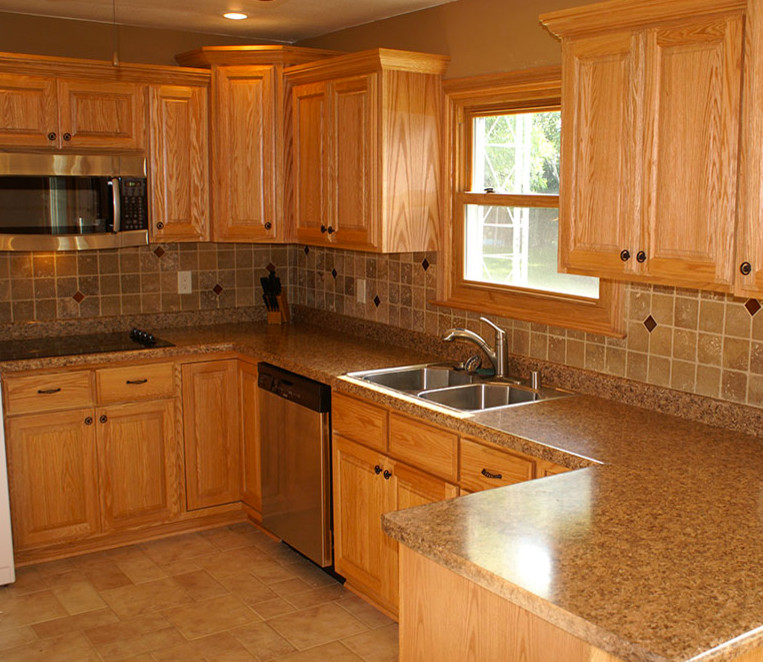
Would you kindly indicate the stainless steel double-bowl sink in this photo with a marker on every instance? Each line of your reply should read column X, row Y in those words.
column 451, row 387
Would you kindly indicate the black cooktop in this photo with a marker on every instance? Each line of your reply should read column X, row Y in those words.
column 94, row 343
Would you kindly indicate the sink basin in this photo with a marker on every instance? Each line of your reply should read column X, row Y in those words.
column 417, row 378
column 481, row 396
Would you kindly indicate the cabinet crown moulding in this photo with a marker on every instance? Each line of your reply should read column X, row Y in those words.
column 633, row 14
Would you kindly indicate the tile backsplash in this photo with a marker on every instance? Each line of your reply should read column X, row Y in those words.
column 697, row 342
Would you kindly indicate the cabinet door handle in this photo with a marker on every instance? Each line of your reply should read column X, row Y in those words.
column 745, row 268
column 331, row 230
column 160, row 226
column 48, row 391
column 625, row 255
column 377, row 469
column 136, row 381
column 488, row 474
column 52, row 136
column 268, row 225
column 387, row 474
column 103, row 418
column 89, row 420
column 67, row 137
column 641, row 257
column 323, row 229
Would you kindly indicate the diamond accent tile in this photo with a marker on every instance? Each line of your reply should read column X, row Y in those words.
column 753, row 306
column 307, row 249
column 159, row 251
column 271, row 267
column 425, row 264
column 217, row 289
column 78, row 296
column 650, row 323
column 377, row 301
column 333, row 273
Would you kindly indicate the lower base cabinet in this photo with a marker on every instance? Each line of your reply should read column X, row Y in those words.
column 368, row 484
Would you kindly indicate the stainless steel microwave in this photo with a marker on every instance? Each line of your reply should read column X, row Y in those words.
column 64, row 202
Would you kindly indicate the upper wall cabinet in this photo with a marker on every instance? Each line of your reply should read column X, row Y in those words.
column 651, row 101
column 364, row 142
column 247, row 137
column 47, row 112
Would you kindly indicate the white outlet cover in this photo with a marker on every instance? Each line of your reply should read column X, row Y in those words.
column 360, row 290
column 185, row 285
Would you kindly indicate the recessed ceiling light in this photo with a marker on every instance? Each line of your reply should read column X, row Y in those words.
column 235, row 16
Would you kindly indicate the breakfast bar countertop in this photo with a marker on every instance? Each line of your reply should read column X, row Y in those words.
column 655, row 556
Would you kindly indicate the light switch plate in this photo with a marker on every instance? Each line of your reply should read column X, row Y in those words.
column 185, row 285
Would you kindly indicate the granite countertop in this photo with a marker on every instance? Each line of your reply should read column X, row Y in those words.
column 657, row 555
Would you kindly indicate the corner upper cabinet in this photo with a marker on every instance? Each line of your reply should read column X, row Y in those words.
column 651, row 101
column 365, row 147
column 247, row 137
column 179, row 161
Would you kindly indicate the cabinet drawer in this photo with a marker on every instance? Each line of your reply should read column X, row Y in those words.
column 59, row 390
column 138, row 382
column 360, row 421
column 424, row 446
column 483, row 468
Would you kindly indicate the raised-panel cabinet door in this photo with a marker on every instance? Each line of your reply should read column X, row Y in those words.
column 694, row 79
column 601, row 109
column 28, row 111
column 101, row 114
column 310, row 156
column 244, row 154
column 137, row 451
column 362, row 552
column 250, row 436
column 211, row 433
column 353, row 176
column 53, row 477
column 179, row 161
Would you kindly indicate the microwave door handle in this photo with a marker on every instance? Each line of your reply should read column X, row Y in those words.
column 117, row 202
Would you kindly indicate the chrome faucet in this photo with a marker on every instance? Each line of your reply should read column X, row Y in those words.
column 499, row 356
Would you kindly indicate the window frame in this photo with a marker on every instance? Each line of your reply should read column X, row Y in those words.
column 533, row 90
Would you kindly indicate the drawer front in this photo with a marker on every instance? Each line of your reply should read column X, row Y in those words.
column 151, row 381
column 359, row 421
column 48, row 392
column 424, row 446
column 483, row 468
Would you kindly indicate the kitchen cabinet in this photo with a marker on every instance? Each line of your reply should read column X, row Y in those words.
column 179, row 162
column 211, row 433
column 651, row 101
column 247, row 137
column 365, row 145
column 249, row 408
column 50, row 112
column 90, row 452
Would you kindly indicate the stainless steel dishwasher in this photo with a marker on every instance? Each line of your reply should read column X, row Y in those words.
column 295, row 454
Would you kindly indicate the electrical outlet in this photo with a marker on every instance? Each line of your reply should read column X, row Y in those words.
column 184, row 282
column 360, row 290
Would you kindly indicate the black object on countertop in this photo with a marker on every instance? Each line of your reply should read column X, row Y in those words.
column 94, row 343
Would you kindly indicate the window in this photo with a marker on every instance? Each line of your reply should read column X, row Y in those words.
column 502, row 244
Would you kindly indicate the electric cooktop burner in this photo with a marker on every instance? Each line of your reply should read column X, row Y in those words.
column 94, row 343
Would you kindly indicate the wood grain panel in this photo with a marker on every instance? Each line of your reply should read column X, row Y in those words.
column 600, row 184
column 137, row 449
column 179, row 161
column 444, row 616
column 360, row 421
column 244, row 154
column 483, row 468
column 46, row 392
column 427, row 447
column 149, row 381
column 211, row 433
column 101, row 114
column 52, row 474
column 28, row 111
column 362, row 552
column 249, row 406
column 694, row 96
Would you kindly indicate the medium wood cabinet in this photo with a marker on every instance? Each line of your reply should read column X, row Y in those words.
column 211, row 433
column 249, row 408
column 365, row 144
column 651, row 101
column 179, row 162
column 49, row 112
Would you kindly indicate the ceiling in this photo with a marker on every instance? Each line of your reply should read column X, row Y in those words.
column 273, row 20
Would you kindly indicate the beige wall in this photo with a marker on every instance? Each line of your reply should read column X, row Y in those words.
column 83, row 39
column 480, row 36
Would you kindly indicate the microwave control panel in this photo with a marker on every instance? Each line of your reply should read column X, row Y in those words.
column 134, row 203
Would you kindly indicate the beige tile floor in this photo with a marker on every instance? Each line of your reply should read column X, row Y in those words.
column 225, row 595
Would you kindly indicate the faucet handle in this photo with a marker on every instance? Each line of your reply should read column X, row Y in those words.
column 498, row 330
